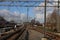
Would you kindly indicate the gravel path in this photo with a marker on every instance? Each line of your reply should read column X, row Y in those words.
column 34, row 35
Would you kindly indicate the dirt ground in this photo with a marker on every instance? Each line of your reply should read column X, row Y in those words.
column 34, row 35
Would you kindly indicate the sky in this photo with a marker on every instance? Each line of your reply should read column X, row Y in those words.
column 19, row 14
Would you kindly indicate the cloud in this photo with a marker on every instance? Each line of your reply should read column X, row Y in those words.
column 39, row 11
column 55, row 0
column 40, row 17
column 16, row 13
column 16, row 16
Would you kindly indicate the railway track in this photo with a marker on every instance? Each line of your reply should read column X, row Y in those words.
column 15, row 35
column 49, row 35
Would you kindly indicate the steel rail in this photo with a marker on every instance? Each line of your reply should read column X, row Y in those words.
column 10, row 35
column 49, row 35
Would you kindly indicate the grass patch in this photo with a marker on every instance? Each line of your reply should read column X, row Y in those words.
column 40, row 27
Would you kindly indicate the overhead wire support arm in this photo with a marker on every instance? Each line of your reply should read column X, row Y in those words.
column 18, row 1
column 22, row 1
column 26, row 6
column 23, row 5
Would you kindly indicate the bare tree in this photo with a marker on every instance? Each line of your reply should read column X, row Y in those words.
column 52, row 20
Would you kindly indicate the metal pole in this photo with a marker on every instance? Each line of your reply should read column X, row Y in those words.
column 45, row 19
column 27, row 13
column 58, row 20
column 27, row 33
column 58, row 3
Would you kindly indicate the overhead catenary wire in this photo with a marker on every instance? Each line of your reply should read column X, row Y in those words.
column 22, row 5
